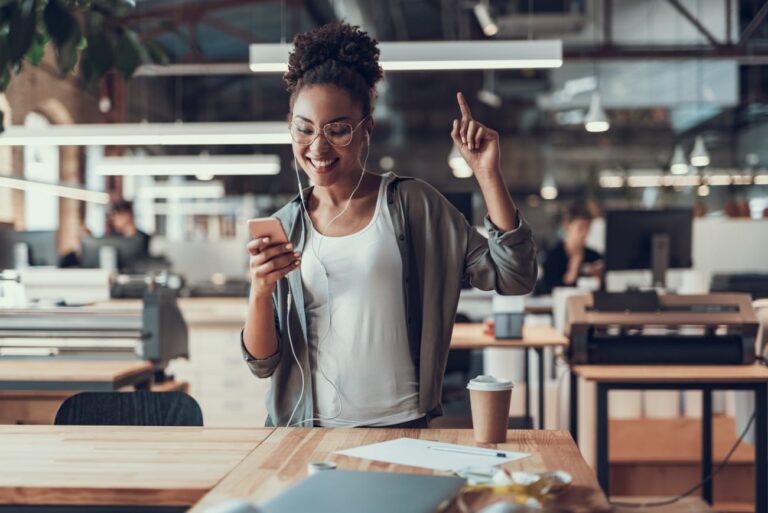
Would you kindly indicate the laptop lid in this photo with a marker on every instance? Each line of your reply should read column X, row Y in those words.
column 347, row 491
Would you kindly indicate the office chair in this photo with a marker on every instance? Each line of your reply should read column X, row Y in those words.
column 141, row 408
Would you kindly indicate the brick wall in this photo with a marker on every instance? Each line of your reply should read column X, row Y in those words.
column 61, row 101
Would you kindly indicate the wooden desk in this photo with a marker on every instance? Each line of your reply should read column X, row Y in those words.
column 281, row 460
column 109, row 466
column 79, row 375
column 706, row 378
column 473, row 336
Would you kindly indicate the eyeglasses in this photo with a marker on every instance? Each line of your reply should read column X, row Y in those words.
column 337, row 134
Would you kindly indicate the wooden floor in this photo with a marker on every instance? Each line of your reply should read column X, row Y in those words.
column 660, row 457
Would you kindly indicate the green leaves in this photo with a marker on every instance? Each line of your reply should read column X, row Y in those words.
column 129, row 54
column 59, row 22
column 65, row 32
column 21, row 30
column 92, row 32
column 37, row 50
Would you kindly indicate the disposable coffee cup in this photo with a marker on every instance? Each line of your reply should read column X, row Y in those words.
column 489, row 399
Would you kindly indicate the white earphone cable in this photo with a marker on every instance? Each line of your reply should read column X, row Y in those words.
column 316, row 252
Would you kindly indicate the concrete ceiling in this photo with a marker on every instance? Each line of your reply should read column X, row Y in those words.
column 652, row 104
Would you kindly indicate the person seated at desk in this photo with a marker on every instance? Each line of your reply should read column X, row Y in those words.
column 571, row 259
column 359, row 333
column 122, row 224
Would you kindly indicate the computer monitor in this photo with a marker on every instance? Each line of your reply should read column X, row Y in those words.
column 42, row 247
column 129, row 250
column 648, row 239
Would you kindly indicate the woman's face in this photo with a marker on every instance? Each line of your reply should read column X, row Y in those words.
column 314, row 107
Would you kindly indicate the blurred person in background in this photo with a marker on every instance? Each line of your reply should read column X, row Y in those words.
column 571, row 259
column 122, row 224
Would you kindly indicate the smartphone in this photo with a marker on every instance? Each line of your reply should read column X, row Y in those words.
column 267, row 227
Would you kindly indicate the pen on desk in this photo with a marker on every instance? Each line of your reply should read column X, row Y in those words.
column 476, row 452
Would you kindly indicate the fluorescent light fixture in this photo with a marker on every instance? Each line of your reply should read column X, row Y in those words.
column 596, row 120
column 656, row 178
column 611, row 181
column 699, row 154
column 678, row 166
column 682, row 180
column 483, row 16
column 174, row 165
column 131, row 134
column 434, row 55
column 458, row 165
column 644, row 180
column 190, row 190
column 742, row 179
column 719, row 180
column 56, row 189
column 548, row 188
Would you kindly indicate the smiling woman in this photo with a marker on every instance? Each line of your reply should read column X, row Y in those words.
column 338, row 317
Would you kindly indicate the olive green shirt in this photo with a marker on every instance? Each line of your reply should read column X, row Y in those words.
column 439, row 248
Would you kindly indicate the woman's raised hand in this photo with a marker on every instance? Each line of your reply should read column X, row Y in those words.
column 478, row 144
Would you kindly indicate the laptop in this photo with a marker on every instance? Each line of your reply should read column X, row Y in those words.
column 346, row 491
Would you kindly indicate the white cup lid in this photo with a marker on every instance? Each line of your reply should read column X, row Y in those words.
column 490, row 383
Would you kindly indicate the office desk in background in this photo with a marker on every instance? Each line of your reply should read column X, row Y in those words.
column 706, row 378
column 473, row 336
column 174, row 468
column 75, row 375
column 31, row 391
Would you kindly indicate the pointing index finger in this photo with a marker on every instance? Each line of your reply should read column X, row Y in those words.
column 463, row 105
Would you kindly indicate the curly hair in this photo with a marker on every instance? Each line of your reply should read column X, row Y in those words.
column 339, row 54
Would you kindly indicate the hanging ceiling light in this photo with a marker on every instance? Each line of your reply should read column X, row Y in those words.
column 549, row 188
column 434, row 55
column 678, row 165
column 699, row 154
column 596, row 120
column 458, row 165
column 487, row 94
column 703, row 190
column 483, row 15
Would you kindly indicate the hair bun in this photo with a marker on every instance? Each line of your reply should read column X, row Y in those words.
column 345, row 44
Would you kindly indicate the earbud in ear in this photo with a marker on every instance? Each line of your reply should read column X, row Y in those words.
column 368, row 137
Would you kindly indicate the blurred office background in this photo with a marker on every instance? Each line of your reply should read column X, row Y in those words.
column 658, row 104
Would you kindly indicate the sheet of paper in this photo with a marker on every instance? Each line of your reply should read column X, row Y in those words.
column 433, row 455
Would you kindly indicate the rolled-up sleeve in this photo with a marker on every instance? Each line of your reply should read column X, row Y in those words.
column 505, row 261
column 262, row 367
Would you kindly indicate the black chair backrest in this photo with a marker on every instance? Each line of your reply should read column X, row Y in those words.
column 141, row 408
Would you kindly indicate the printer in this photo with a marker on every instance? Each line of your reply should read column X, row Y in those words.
column 647, row 329
column 156, row 333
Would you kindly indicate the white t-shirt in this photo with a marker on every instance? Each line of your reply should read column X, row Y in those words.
column 361, row 369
